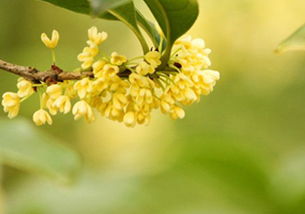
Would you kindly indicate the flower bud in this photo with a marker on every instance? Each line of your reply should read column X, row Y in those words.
column 42, row 117
column 11, row 104
column 50, row 43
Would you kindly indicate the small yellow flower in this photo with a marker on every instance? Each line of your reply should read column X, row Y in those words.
column 143, row 68
column 50, row 106
column 63, row 103
column 140, row 81
column 87, row 56
column 166, row 103
column 98, row 86
column 185, row 42
column 117, row 59
column 25, row 88
column 95, row 37
column 50, row 43
column 153, row 58
column 82, row 87
column 119, row 101
column 54, row 91
column 42, row 117
column 97, row 67
column 198, row 44
column 143, row 119
column 47, row 102
column 11, row 104
column 207, row 80
column 110, row 71
column 130, row 119
column 177, row 113
column 83, row 109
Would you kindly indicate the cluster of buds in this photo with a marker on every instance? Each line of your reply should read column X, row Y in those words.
column 122, row 89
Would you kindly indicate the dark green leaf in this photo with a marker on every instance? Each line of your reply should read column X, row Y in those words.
column 101, row 6
column 174, row 17
column 80, row 6
column 150, row 29
column 147, row 26
column 23, row 146
column 295, row 42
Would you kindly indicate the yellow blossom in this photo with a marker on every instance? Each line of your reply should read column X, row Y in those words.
column 143, row 68
column 11, row 104
column 119, row 101
column 166, row 103
column 50, row 106
column 54, row 91
column 82, row 87
column 83, row 109
column 130, row 119
column 117, row 59
column 153, row 58
column 48, row 102
column 87, row 56
column 97, row 67
column 98, row 86
column 207, row 80
column 50, row 43
column 177, row 113
column 42, row 117
column 110, row 71
column 96, row 37
column 139, row 80
column 25, row 88
column 63, row 103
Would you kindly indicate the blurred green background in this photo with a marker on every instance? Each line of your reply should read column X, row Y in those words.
column 241, row 150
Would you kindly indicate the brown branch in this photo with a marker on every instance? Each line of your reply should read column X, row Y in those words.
column 55, row 74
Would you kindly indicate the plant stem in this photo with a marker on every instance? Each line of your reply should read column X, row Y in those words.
column 53, row 56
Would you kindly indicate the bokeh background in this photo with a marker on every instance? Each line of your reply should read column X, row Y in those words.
column 241, row 150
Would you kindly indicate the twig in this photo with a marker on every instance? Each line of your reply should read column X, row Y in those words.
column 55, row 74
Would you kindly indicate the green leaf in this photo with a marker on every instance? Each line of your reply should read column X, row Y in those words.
column 294, row 43
column 79, row 6
column 145, row 24
column 95, row 7
column 175, row 18
column 101, row 6
column 150, row 29
column 23, row 146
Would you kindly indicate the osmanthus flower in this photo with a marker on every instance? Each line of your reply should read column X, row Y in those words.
column 11, row 104
column 144, row 69
column 25, row 88
column 83, row 109
column 42, row 117
column 153, row 58
column 82, row 87
column 117, row 59
column 50, row 43
column 92, row 50
column 63, row 104
column 122, row 89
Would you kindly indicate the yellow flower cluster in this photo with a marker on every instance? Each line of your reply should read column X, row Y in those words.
column 121, row 89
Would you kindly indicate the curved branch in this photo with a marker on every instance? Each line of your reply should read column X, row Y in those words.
column 55, row 74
